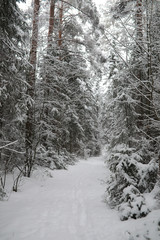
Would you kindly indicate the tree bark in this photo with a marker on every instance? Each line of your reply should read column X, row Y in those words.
column 139, row 69
column 49, row 44
column 31, row 78
column 139, row 22
column 51, row 21
column 60, row 24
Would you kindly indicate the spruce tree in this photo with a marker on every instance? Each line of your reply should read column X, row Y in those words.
column 12, row 80
column 31, row 79
column 67, row 117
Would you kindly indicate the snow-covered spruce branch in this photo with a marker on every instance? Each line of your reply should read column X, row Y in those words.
column 137, row 43
column 13, row 150
column 76, row 8
column 9, row 43
column 130, row 71
column 8, row 144
column 133, row 75
column 121, row 45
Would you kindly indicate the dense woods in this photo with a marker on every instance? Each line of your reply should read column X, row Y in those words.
column 70, row 85
column 48, row 112
column 131, row 112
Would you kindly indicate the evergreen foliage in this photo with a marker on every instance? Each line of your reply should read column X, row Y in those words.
column 132, row 138
column 52, row 109
column 12, row 79
column 52, row 117
column 68, row 119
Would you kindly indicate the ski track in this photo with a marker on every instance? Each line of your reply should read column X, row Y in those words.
column 68, row 206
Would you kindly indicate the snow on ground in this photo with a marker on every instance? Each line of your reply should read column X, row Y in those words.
column 69, row 206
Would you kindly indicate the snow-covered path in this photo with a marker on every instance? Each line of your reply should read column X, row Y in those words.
column 68, row 206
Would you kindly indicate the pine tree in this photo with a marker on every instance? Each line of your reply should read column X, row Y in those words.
column 31, row 79
column 12, row 85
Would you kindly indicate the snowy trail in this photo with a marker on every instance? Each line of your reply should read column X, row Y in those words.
column 68, row 206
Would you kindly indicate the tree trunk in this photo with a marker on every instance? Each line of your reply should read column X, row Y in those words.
column 60, row 24
column 51, row 22
column 31, row 78
column 139, row 22
column 50, row 32
column 150, row 81
column 139, row 55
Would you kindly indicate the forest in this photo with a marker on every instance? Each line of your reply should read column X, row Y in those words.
column 80, row 81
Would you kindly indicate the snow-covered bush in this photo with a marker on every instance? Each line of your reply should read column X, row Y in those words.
column 2, row 194
column 133, row 205
column 49, row 158
column 156, row 193
column 129, row 179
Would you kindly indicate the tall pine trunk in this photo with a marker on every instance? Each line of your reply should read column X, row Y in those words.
column 31, row 78
column 146, row 85
column 139, row 22
column 47, row 63
column 49, row 48
column 60, row 24
column 138, row 54
column 51, row 22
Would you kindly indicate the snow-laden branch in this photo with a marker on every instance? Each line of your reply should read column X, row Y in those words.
column 8, row 144
column 76, row 8
column 13, row 150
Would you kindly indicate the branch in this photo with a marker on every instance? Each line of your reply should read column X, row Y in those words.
column 76, row 8
column 13, row 150
column 8, row 144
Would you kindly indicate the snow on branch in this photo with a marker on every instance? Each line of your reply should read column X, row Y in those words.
column 8, row 144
